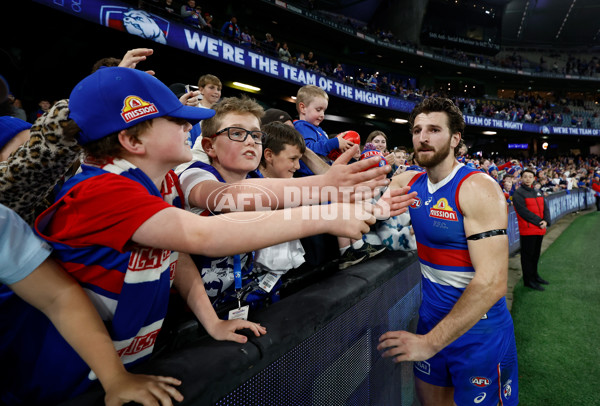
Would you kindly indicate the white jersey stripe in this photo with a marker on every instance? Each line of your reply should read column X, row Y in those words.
column 447, row 278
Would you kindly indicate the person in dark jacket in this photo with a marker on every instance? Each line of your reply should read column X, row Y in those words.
column 534, row 217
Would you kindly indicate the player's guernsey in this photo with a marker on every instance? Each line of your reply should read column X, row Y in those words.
column 90, row 228
column 446, row 266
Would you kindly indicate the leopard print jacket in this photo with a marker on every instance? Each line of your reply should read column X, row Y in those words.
column 29, row 175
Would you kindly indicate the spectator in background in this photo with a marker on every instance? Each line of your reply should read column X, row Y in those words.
column 533, row 216
column 13, row 107
column 169, row 7
column 379, row 140
column 269, row 45
column 245, row 37
column 284, row 53
column 230, row 30
column 339, row 73
column 310, row 61
column 595, row 185
column 507, row 188
column 43, row 106
column 301, row 61
column 191, row 16
column 384, row 86
column 361, row 81
column 372, row 82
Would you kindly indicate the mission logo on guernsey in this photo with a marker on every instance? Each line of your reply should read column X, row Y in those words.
column 442, row 210
column 134, row 107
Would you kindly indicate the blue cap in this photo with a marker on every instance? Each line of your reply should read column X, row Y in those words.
column 113, row 99
column 9, row 127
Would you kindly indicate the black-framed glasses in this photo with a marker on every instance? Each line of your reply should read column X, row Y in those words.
column 240, row 134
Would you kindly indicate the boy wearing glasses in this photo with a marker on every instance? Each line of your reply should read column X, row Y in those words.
column 233, row 141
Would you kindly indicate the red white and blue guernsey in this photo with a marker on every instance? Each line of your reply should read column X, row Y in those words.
column 90, row 228
column 481, row 365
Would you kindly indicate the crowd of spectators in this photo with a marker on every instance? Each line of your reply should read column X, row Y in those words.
column 563, row 173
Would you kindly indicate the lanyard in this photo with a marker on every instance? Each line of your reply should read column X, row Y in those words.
column 237, row 277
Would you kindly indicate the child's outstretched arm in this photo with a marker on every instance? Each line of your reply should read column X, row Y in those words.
column 234, row 233
column 339, row 181
column 50, row 289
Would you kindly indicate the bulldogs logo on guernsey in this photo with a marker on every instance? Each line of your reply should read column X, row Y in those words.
column 135, row 107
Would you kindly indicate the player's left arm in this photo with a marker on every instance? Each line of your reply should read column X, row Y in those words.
column 484, row 209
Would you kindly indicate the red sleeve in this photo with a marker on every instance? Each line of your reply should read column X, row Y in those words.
column 505, row 165
column 596, row 186
column 105, row 210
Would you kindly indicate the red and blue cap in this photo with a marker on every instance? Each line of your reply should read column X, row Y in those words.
column 113, row 99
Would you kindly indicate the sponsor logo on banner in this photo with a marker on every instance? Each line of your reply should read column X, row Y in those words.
column 442, row 210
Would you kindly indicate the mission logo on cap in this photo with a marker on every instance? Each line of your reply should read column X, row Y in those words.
column 114, row 99
column 136, row 108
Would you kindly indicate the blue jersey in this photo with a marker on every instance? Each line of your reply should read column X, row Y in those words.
column 316, row 140
column 442, row 248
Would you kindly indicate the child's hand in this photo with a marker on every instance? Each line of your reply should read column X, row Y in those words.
column 390, row 158
column 345, row 145
column 135, row 56
column 349, row 220
column 225, row 330
column 393, row 203
column 145, row 389
column 358, row 175
column 190, row 98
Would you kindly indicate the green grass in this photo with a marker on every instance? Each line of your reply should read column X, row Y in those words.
column 558, row 330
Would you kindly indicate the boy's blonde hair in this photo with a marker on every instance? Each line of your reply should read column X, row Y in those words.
column 306, row 94
column 209, row 79
column 227, row 105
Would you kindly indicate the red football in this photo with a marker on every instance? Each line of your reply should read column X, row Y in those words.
column 351, row 136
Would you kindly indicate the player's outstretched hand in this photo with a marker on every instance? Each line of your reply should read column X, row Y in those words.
column 148, row 390
column 225, row 330
column 405, row 346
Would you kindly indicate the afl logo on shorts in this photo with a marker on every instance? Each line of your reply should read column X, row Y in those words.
column 480, row 381
column 416, row 203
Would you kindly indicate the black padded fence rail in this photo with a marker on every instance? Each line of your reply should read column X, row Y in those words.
column 320, row 349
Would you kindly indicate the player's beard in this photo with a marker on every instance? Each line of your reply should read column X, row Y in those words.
column 435, row 159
